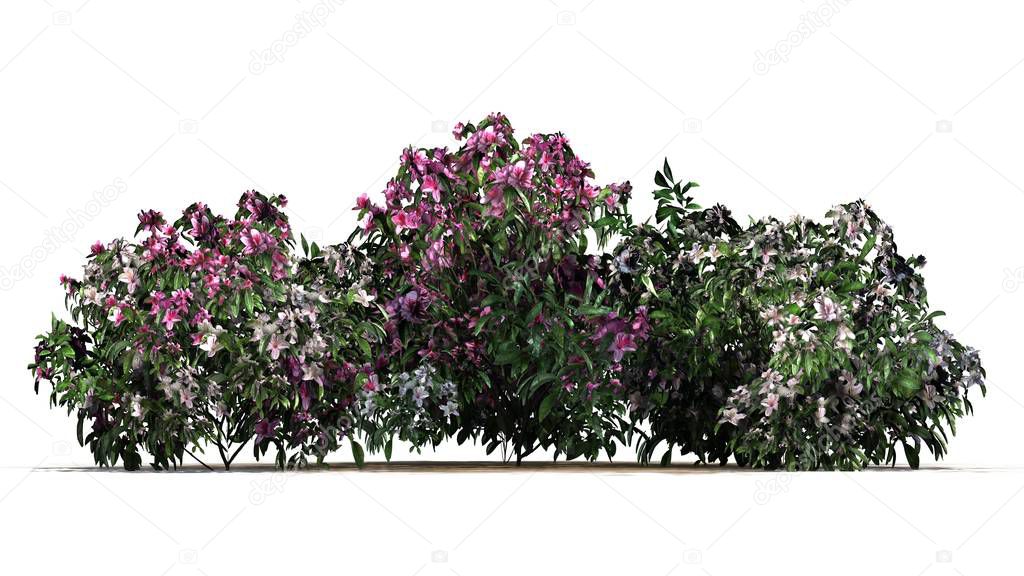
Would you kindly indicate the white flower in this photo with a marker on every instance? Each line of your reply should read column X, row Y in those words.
column 186, row 396
column 168, row 386
column 732, row 416
column 819, row 414
column 368, row 406
column 129, row 277
column 276, row 345
column 450, row 408
column 714, row 253
column 313, row 372
column 260, row 328
column 827, row 310
column 770, row 403
column 772, row 315
column 93, row 295
column 210, row 343
column 419, row 394
column 849, row 386
column 137, row 410
column 363, row 298
column 884, row 290
column 844, row 336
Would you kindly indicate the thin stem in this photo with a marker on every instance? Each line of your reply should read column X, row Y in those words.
column 240, row 446
column 205, row 465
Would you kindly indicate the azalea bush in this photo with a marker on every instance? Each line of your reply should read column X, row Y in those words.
column 697, row 349
column 797, row 345
column 481, row 258
column 198, row 336
column 498, row 295
column 854, row 364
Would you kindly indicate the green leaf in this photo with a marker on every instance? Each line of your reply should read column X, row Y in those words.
column 659, row 179
column 912, row 454
column 868, row 246
column 649, row 284
column 907, row 383
column 545, row 407
column 357, row 454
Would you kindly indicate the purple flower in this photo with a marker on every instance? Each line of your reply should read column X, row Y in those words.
column 266, row 428
column 410, row 306
column 623, row 343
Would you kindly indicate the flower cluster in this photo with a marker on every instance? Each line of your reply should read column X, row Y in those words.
column 482, row 299
column 795, row 344
column 481, row 262
column 200, row 335
column 415, row 406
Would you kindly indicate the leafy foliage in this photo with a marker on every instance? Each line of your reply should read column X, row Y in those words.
column 498, row 295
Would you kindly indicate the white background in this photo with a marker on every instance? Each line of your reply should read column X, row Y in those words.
column 914, row 106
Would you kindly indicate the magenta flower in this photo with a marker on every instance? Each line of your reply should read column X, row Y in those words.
column 170, row 319
column 621, row 344
column 518, row 175
column 150, row 220
column 431, row 186
column 255, row 241
column 406, row 219
column 266, row 428
column 116, row 316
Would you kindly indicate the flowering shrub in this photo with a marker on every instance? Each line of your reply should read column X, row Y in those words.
column 484, row 300
column 797, row 345
column 854, row 364
column 677, row 383
column 197, row 335
column 481, row 257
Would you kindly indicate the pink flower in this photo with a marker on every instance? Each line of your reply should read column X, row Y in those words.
column 98, row 248
column 406, row 220
column 623, row 343
column 495, row 199
column 170, row 319
column 519, row 175
column 770, row 403
column 255, row 241
column 431, row 186
column 363, row 201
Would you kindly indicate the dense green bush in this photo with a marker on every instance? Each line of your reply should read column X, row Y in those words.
column 499, row 296
column 794, row 344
